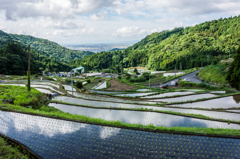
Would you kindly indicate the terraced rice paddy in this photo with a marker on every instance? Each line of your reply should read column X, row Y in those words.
column 135, row 94
column 225, row 102
column 143, row 90
column 69, row 88
column 51, row 138
column 168, row 94
column 212, row 114
column 105, row 98
column 38, row 86
column 44, row 91
column 185, row 98
column 144, row 118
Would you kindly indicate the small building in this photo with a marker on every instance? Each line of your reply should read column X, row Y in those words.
column 79, row 68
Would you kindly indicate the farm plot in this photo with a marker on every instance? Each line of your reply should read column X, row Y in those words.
column 168, row 94
column 109, row 99
column 225, row 102
column 212, row 114
column 185, row 98
column 51, row 138
column 135, row 94
column 69, row 88
column 143, row 118
column 38, row 86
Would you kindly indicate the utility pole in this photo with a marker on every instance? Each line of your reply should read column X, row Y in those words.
column 71, row 81
column 175, row 70
column 208, row 59
column 122, row 72
column 29, row 82
column 181, row 67
column 149, row 79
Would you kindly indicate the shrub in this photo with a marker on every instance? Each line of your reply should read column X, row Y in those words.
column 88, row 81
column 128, row 76
column 119, row 77
column 68, row 80
column 79, row 84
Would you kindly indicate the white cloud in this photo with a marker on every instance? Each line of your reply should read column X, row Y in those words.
column 22, row 32
column 99, row 16
column 132, row 31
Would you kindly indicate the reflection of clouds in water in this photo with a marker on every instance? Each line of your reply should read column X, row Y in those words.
column 187, row 122
column 237, row 99
column 107, row 132
column 143, row 118
column 45, row 126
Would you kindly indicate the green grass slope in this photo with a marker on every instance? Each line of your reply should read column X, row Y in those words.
column 214, row 73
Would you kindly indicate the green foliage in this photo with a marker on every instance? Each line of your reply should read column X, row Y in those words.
column 201, row 85
column 119, row 77
column 233, row 76
column 214, row 73
column 144, row 77
column 79, row 84
column 45, row 47
column 189, row 46
column 128, row 76
column 14, row 61
column 67, row 80
column 136, row 71
column 88, row 81
column 21, row 95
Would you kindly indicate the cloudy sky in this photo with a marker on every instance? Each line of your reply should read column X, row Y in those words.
column 107, row 21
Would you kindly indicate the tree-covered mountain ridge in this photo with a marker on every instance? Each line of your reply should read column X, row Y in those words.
column 45, row 47
column 189, row 46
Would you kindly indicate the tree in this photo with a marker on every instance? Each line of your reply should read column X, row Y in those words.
column 136, row 71
column 233, row 76
column 79, row 71
column 79, row 84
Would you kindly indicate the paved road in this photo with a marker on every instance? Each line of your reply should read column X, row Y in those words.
column 192, row 77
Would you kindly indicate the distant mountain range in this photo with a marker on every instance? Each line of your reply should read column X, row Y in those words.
column 45, row 47
column 100, row 47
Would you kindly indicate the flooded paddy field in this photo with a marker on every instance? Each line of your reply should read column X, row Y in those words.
column 225, row 102
column 185, row 98
column 106, row 98
column 38, row 86
column 44, row 91
column 51, row 138
column 143, row 118
column 105, row 92
column 212, row 114
column 135, row 94
column 144, row 90
column 68, row 88
column 168, row 94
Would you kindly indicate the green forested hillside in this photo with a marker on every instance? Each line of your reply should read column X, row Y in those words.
column 14, row 61
column 189, row 46
column 45, row 47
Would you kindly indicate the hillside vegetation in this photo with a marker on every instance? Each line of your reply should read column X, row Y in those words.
column 45, row 47
column 189, row 46
column 14, row 61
